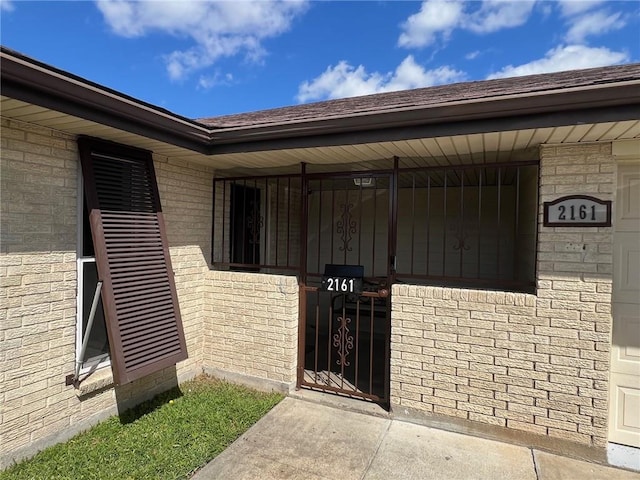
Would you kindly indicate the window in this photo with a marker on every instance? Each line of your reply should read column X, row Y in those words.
column 468, row 226
column 247, row 221
column 139, row 299
column 96, row 354
column 257, row 223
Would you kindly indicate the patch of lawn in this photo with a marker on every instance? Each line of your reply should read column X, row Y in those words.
column 168, row 437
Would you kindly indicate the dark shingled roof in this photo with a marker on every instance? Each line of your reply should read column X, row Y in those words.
column 430, row 96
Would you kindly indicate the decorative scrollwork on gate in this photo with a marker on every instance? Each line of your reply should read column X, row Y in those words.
column 346, row 227
column 343, row 341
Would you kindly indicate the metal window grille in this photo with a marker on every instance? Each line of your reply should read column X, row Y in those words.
column 466, row 225
column 256, row 223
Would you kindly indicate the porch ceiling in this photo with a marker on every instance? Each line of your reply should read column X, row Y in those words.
column 512, row 145
column 488, row 147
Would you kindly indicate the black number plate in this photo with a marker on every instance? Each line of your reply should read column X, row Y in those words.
column 341, row 284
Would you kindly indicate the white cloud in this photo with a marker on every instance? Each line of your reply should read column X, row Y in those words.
column 209, row 81
column 344, row 80
column 339, row 81
column 435, row 17
column 573, row 7
column 218, row 29
column 495, row 15
column 473, row 55
column 411, row 75
column 440, row 18
column 6, row 6
column 561, row 58
column 594, row 23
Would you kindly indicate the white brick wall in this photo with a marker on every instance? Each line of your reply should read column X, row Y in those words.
column 186, row 196
column 37, row 258
column 39, row 186
column 536, row 363
column 252, row 325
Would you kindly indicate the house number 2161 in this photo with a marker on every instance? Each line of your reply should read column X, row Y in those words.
column 577, row 211
column 338, row 284
column 341, row 284
column 582, row 212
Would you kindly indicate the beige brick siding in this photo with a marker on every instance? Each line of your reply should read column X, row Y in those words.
column 185, row 193
column 537, row 363
column 38, row 284
column 252, row 325
column 38, row 260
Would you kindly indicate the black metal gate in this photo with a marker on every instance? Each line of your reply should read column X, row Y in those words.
column 345, row 317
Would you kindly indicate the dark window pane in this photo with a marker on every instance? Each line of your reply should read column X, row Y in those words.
column 87, row 241
column 98, row 346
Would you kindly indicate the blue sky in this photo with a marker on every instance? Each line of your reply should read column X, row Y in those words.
column 202, row 58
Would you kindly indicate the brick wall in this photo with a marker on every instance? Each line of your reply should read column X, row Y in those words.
column 38, row 279
column 185, row 192
column 38, row 284
column 533, row 363
column 252, row 326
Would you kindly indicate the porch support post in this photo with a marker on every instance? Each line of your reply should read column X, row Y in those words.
column 393, row 242
column 302, row 281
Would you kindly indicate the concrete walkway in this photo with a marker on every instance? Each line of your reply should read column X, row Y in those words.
column 302, row 440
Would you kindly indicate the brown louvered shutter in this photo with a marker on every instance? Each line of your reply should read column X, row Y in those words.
column 132, row 256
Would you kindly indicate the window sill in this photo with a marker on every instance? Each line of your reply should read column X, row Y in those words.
column 95, row 381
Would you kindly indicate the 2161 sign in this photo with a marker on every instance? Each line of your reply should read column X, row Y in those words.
column 342, row 278
column 577, row 211
column 341, row 284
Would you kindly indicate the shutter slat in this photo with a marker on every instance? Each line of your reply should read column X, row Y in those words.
column 149, row 248
column 140, row 352
column 146, row 340
column 158, row 327
column 123, row 267
column 138, row 273
column 137, row 308
column 132, row 290
column 139, row 296
column 153, row 357
column 144, row 321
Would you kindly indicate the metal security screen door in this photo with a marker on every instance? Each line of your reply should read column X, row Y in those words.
column 345, row 309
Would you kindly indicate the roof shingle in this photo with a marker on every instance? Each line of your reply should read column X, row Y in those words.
column 430, row 96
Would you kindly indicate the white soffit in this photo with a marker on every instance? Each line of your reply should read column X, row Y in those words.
column 473, row 148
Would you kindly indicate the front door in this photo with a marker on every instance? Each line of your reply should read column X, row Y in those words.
column 345, row 302
column 624, row 421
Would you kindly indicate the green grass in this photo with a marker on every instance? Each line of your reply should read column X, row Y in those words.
column 168, row 437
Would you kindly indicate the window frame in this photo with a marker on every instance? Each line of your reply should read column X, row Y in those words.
column 81, row 260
